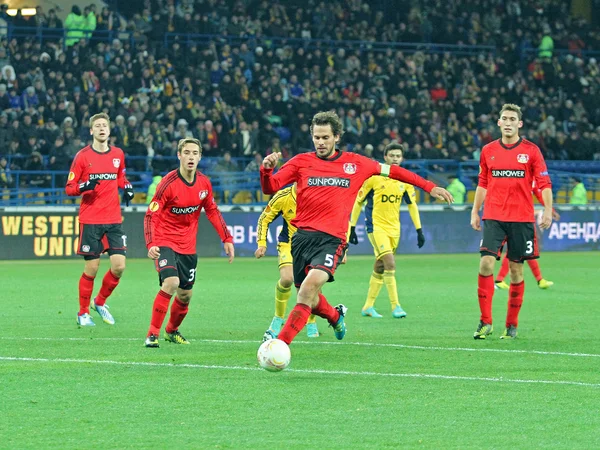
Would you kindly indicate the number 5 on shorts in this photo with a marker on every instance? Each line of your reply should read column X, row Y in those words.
column 529, row 250
column 328, row 260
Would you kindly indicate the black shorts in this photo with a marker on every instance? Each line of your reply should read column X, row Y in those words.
column 97, row 239
column 173, row 264
column 519, row 237
column 315, row 250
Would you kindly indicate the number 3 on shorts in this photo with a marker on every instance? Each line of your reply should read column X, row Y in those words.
column 529, row 250
column 328, row 260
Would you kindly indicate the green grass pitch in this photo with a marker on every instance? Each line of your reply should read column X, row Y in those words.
column 419, row 382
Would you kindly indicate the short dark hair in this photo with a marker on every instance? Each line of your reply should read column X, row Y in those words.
column 393, row 146
column 328, row 118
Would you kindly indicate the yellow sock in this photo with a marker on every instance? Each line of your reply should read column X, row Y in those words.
column 282, row 295
column 375, row 284
column 312, row 319
column 389, row 278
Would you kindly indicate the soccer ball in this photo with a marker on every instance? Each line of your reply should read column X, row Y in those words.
column 274, row 355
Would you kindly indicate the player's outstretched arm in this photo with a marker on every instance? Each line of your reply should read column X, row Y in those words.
column 401, row 174
column 285, row 175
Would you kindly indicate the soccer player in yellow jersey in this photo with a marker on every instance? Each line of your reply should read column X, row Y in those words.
column 383, row 197
column 282, row 204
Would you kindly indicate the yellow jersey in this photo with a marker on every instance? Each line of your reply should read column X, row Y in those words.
column 283, row 204
column 383, row 197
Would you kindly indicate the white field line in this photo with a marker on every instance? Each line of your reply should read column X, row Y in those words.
column 358, row 344
column 301, row 371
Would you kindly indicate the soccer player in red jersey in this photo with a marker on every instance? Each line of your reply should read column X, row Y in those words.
column 328, row 182
column 507, row 169
column 97, row 173
column 170, row 229
column 533, row 264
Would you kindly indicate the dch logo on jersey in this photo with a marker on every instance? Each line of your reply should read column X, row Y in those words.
column 522, row 158
column 350, row 168
column 162, row 263
column 202, row 194
column 116, row 162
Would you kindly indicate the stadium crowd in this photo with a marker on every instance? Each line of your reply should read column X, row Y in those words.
column 251, row 97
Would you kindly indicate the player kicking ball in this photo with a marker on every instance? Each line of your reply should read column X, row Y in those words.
column 383, row 197
column 507, row 169
column 170, row 229
column 328, row 182
column 282, row 204
column 97, row 173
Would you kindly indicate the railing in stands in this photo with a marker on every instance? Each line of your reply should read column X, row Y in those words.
column 244, row 187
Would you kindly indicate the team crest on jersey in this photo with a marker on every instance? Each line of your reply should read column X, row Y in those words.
column 202, row 194
column 522, row 158
column 85, row 248
column 350, row 168
column 116, row 162
column 162, row 263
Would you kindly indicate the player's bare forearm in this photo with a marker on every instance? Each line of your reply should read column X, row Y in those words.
column 480, row 194
column 547, row 197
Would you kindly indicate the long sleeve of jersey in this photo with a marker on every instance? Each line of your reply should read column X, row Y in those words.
column 72, row 187
column 121, row 178
column 410, row 197
column 285, row 175
column 401, row 174
column 216, row 219
column 360, row 199
column 269, row 214
column 158, row 202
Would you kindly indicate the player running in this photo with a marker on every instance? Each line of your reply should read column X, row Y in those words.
column 383, row 197
column 507, row 169
column 170, row 229
column 328, row 181
column 533, row 264
column 97, row 173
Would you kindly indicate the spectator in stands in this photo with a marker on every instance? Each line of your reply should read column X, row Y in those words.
column 579, row 193
column 35, row 162
column 457, row 189
column 156, row 177
column 79, row 26
column 254, row 165
column 6, row 180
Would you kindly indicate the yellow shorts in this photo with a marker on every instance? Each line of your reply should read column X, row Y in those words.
column 383, row 244
column 284, row 251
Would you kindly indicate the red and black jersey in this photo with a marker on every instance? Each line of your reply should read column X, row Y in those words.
column 172, row 216
column 327, row 188
column 508, row 174
column 102, row 205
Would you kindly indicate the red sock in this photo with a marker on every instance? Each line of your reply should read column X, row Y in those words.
column 535, row 269
column 295, row 322
column 515, row 300
column 178, row 312
column 503, row 270
column 109, row 283
column 485, row 291
column 86, row 286
column 159, row 311
column 326, row 311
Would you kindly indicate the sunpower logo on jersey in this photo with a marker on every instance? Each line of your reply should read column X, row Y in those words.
column 508, row 173
column 103, row 176
column 187, row 210
column 328, row 182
